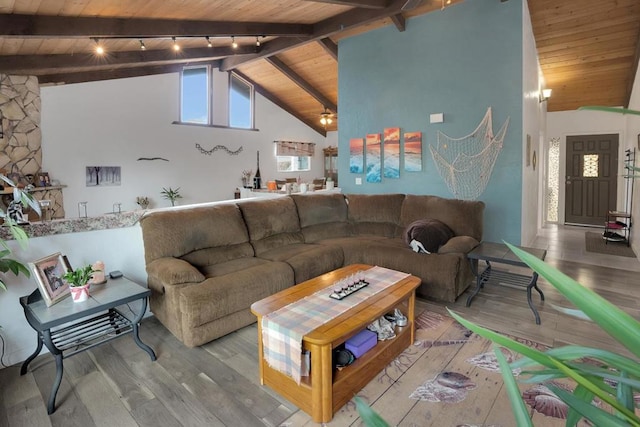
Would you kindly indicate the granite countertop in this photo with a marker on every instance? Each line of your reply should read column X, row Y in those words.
column 75, row 225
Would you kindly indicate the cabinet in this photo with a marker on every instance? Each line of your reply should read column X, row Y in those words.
column 331, row 163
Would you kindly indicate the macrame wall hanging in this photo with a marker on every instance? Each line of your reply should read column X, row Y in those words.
column 218, row 147
column 466, row 163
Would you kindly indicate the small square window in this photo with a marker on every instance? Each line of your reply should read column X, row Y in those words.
column 590, row 166
column 240, row 103
column 194, row 95
column 293, row 163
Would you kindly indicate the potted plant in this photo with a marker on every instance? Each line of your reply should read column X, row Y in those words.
column 78, row 281
column 171, row 194
column 8, row 264
column 599, row 374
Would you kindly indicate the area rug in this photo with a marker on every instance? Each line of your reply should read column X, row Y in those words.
column 450, row 377
column 595, row 243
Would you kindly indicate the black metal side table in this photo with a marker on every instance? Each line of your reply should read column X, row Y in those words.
column 500, row 253
column 68, row 327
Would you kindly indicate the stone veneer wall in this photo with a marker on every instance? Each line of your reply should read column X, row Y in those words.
column 20, row 146
column 21, row 140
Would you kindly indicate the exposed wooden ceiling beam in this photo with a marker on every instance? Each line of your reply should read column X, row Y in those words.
column 304, row 85
column 322, row 29
column 399, row 21
column 114, row 73
column 67, row 26
column 634, row 71
column 369, row 4
column 268, row 95
column 330, row 47
column 37, row 64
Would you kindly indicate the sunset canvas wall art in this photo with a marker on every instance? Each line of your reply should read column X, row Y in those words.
column 391, row 153
column 356, row 155
column 413, row 151
column 373, row 158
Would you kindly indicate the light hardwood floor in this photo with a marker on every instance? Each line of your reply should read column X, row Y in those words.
column 217, row 384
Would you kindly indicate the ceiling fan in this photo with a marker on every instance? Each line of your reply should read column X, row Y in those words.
column 326, row 117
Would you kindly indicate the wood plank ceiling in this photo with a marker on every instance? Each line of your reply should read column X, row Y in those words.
column 588, row 49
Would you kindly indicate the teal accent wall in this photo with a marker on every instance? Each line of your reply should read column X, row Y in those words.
column 458, row 61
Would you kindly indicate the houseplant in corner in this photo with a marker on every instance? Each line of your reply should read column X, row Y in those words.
column 9, row 264
column 171, row 194
column 598, row 374
column 78, row 281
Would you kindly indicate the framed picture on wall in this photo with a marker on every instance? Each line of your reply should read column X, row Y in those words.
column 48, row 272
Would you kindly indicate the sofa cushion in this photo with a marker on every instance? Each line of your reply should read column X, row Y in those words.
column 322, row 216
column 220, row 296
column 431, row 233
column 460, row 244
column 376, row 214
column 269, row 217
column 181, row 231
column 232, row 266
column 464, row 217
column 316, row 209
column 308, row 260
column 271, row 223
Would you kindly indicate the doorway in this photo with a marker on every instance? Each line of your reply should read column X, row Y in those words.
column 591, row 179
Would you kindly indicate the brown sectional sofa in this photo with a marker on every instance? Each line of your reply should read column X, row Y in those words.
column 206, row 265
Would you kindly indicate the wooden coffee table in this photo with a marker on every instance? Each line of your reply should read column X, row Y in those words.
column 326, row 390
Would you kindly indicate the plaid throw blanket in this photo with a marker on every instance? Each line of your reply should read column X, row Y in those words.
column 283, row 330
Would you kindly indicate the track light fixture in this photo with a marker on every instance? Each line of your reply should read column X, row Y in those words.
column 142, row 46
column 99, row 48
column 208, row 41
column 233, row 42
column 257, row 41
column 176, row 46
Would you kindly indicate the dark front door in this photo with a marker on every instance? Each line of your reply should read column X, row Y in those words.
column 592, row 168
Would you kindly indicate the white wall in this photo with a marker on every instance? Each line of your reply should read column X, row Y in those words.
column 633, row 132
column 115, row 122
column 120, row 249
column 532, row 113
column 584, row 122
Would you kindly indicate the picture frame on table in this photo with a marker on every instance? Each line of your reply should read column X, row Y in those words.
column 48, row 273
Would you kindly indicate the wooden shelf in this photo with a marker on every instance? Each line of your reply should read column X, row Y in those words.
column 9, row 190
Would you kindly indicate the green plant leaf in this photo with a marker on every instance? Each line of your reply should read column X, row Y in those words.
column 529, row 352
column 518, row 407
column 370, row 418
column 624, row 393
column 593, row 414
column 621, row 326
column 573, row 416
column 574, row 352
column 610, row 109
column 593, row 388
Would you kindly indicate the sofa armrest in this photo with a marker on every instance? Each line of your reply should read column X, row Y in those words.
column 459, row 244
column 171, row 271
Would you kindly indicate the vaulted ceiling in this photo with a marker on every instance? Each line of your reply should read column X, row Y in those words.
column 588, row 49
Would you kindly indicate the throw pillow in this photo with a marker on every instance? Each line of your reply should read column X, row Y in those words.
column 430, row 233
